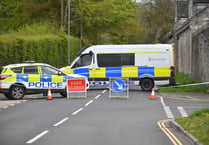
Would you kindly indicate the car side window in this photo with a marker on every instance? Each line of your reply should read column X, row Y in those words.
column 30, row 70
column 49, row 71
column 17, row 70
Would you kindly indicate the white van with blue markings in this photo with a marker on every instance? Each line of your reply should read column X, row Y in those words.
column 145, row 63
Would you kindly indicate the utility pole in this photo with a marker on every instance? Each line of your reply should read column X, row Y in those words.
column 68, row 32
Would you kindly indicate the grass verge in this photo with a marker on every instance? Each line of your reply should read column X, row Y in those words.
column 197, row 124
column 183, row 79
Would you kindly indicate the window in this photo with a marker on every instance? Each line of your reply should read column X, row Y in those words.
column 115, row 60
column 49, row 71
column 30, row 70
column 17, row 69
column 84, row 60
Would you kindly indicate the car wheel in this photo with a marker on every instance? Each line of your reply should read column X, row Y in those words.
column 7, row 96
column 63, row 95
column 147, row 84
column 16, row 92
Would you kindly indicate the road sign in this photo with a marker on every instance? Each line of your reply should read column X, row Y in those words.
column 118, row 88
column 118, row 85
column 76, row 88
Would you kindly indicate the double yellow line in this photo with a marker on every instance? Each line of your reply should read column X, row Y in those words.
column 169, row 134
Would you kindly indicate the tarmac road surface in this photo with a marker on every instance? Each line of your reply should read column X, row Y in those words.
column 96, row 120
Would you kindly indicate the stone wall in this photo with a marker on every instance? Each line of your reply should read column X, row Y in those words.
column 192, row 46
column 200, row 55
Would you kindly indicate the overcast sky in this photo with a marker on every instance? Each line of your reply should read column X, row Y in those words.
column 138, row 0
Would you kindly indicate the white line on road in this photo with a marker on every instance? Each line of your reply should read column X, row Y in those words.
column 97, row 96
column 104, row 91
column 87, row 104
column 162, row 101
column 168, row 112
column 61, row 121
column 167, row 109
column 77, row 111
column 182, row 111
column 37, row 137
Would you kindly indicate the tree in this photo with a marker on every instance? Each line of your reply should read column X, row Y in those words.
column 10, row 14
column 158, row 17
column 39, row 10
column 91, row 18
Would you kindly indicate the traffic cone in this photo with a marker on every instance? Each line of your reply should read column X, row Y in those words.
column 152, row 96
column 49, row 96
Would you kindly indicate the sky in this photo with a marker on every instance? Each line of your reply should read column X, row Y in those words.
column 138, row 0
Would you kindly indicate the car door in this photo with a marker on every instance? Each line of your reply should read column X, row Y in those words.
column 52, row 78
column 83, row 65
column 31, row 76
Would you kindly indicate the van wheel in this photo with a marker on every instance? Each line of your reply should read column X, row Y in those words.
column 16, row 92
column 147, row 84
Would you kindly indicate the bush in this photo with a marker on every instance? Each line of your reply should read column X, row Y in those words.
column 39, row 43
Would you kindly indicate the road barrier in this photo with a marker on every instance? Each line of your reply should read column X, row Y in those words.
column 76, row 88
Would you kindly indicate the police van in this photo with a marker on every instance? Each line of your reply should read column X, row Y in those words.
column 145, row 63
column 16, row 80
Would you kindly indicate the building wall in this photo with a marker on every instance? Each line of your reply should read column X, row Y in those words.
column 184, row 52
column 191, row 37
column 200, row 55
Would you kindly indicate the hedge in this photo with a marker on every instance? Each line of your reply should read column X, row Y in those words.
column 52, row 49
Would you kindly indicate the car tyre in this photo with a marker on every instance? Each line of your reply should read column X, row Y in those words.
column 7, row 96
column 64, row 95
column 147, row 84
column 16, row 92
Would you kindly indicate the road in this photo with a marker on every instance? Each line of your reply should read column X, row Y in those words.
column 96, row 120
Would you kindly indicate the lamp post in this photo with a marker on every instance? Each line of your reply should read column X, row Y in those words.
column 68, row 32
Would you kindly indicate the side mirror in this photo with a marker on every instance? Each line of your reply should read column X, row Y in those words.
column 60, row 73
column 91, row 53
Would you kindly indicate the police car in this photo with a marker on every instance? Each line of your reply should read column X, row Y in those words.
column 17, row 80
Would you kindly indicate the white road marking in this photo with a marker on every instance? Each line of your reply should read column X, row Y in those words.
column 168, row 112
column 182, row 111
column 162, row 101
column 104, row 91
column 37, row 137
column 88, row 103
column 61, row 121
column 97, row 96
column 167, row 109
column 77, row 111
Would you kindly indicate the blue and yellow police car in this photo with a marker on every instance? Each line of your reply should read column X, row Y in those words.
column 17, row 80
